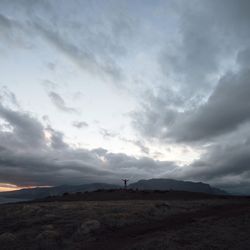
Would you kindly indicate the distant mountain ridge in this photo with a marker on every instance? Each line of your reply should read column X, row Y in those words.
column 170, row 184
column 37, row 193
column 151, row 184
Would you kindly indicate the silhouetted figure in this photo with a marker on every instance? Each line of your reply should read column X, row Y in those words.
column 125, row 183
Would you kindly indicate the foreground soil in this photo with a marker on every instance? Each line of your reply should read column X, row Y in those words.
column 191, row 223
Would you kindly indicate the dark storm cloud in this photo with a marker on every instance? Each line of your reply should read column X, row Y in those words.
column 224, row 164
column 200, row 107
column 210, row 33
column 26, row 130
column 195, row 55
column 31, row 154
column 51, row 168
column 208, row 104
column 59, row 102
column 153, row 119
column 225, row 110
column 138, row 168
column 201, row 98
column 57, row 139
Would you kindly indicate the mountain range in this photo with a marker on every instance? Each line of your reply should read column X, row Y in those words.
column 151, row 184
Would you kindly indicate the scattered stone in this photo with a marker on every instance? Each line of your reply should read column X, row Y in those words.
column 48, row 235
column 162, row 205
column 48, row 239
column 7, row 238
column 90, row 226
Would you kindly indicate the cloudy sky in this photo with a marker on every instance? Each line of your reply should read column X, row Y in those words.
column 102, row 90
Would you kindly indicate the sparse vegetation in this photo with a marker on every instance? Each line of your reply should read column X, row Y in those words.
column 158, row 224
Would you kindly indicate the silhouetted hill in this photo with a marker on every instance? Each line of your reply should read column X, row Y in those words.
column 37, row 193
column 132, row 194
column 152, row 184
column 169, row 184
column 127, row 219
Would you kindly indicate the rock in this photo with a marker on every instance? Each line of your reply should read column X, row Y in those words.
column 48, row 235
column 162, row 205
column 115, row 222
column 159, row 210
column 89, row 226
column 7, row 241
column 48, row 239
column 7, row 238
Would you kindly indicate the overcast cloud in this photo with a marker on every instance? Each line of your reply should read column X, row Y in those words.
column 31, row 154
column 163, row 92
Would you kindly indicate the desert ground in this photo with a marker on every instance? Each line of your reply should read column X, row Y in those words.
column 197, row 222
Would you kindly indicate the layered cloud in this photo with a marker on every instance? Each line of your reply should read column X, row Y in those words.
column 80, row 124
column 185, row 64
column 83, row 58
column 207, row 105
column 31, row 154
column 59, row 102
column 225, row 163
column 226, row 109
column 210, row 98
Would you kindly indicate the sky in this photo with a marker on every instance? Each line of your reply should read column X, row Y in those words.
column 96, row 91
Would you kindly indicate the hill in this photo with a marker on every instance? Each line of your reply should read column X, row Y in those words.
column 37, row 193
column 172, row 220
column 170, row 184
column 152, row 184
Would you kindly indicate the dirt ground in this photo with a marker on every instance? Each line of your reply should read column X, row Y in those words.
column 217, row 227
column 128, row 224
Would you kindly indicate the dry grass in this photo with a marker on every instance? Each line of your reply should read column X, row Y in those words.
column 71, row 225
